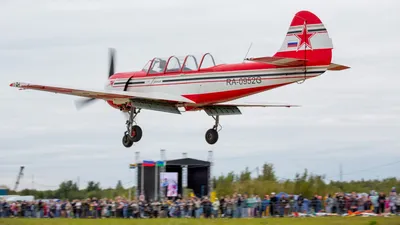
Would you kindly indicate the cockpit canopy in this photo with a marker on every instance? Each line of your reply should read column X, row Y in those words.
column 175, row 64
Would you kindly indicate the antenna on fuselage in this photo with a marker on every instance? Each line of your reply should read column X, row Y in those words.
column 248, row 50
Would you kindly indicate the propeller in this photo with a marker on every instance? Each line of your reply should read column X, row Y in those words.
column 112, row 56
column 82, row 103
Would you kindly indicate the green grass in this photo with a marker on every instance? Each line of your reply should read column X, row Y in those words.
column 269, row 221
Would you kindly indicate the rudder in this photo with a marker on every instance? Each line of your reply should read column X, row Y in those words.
column 307, row 39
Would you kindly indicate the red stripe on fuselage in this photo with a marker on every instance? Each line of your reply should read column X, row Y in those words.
column 223, row 96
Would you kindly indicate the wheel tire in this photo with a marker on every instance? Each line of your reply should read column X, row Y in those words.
column 127, row 141
column 138, row 133
column 211, row 136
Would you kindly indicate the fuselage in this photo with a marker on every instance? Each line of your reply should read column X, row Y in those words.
column 306, row 41
column 215, row 84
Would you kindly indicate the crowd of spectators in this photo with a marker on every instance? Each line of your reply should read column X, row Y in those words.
column 235, row 206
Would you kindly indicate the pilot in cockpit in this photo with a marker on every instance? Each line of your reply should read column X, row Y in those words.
column 162, row 65
column 158, row 66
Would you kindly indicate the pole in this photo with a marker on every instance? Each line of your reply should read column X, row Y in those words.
column 142, row 181
column 341, row 172
column 155, row 183
column 184, row 180
column 130, row 193
column 137, row 158
column 161, row 170
column 210, row 170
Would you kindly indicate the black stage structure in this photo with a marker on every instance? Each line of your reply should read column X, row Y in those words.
column 198, row 177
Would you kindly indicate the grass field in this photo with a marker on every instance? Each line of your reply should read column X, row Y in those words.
column 270, row 221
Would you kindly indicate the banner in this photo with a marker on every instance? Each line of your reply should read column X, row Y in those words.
column 169, row 181
column 132, row 166
column 160, row 163
column 148, row 163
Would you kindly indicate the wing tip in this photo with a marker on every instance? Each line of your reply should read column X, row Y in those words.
column 17, row 84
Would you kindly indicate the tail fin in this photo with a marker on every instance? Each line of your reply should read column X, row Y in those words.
column 307, row 39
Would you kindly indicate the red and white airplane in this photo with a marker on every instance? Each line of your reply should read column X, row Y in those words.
column 167, row 85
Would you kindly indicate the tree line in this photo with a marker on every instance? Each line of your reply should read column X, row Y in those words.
column 266, row 182
column 304, row 183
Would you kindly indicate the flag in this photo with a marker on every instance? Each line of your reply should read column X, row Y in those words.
column 292, row 44
column 160, row 163
column 213, row 196
column 132, row 166
column 148, row 163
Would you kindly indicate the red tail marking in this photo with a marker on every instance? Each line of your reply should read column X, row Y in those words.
column 305, row 16
column 305, row 38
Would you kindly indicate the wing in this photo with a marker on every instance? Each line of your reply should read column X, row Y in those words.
column 233, row 109
column 146, row 100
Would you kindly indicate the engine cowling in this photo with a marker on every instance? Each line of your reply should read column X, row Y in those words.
column 122, row 107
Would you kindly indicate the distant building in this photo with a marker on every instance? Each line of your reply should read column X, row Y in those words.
column 3, row 190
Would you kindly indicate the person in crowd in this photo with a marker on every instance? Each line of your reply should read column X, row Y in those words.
column 329, row 204
column 229, row 207
column 397, row 204
column 251, row 204
column 353, row 202
column 215, row 208
column 314, row 203
column 207, row 207
column 374, row 201
column 367, row 203
column 381, row 202
column 239, row 203
column 392, row 202
column 300, row 201
column 341, row 203
column 244, row 206
column 284, row 206
column 222, row 206
column 273, row 205
column 265, row 205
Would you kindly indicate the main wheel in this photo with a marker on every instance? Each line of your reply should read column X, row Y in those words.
column 136, row 133
column 127, row 141
column 211, row 136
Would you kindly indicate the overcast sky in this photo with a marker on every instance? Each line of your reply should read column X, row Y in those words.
column 349, row 117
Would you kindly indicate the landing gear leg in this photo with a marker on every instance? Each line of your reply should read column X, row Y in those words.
column 133, row 132
column 212, row 134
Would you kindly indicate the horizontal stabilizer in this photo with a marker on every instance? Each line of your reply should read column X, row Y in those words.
column 279, row 61
column 337, row 67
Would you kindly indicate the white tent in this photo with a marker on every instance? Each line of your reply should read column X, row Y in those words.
column 21, row 198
